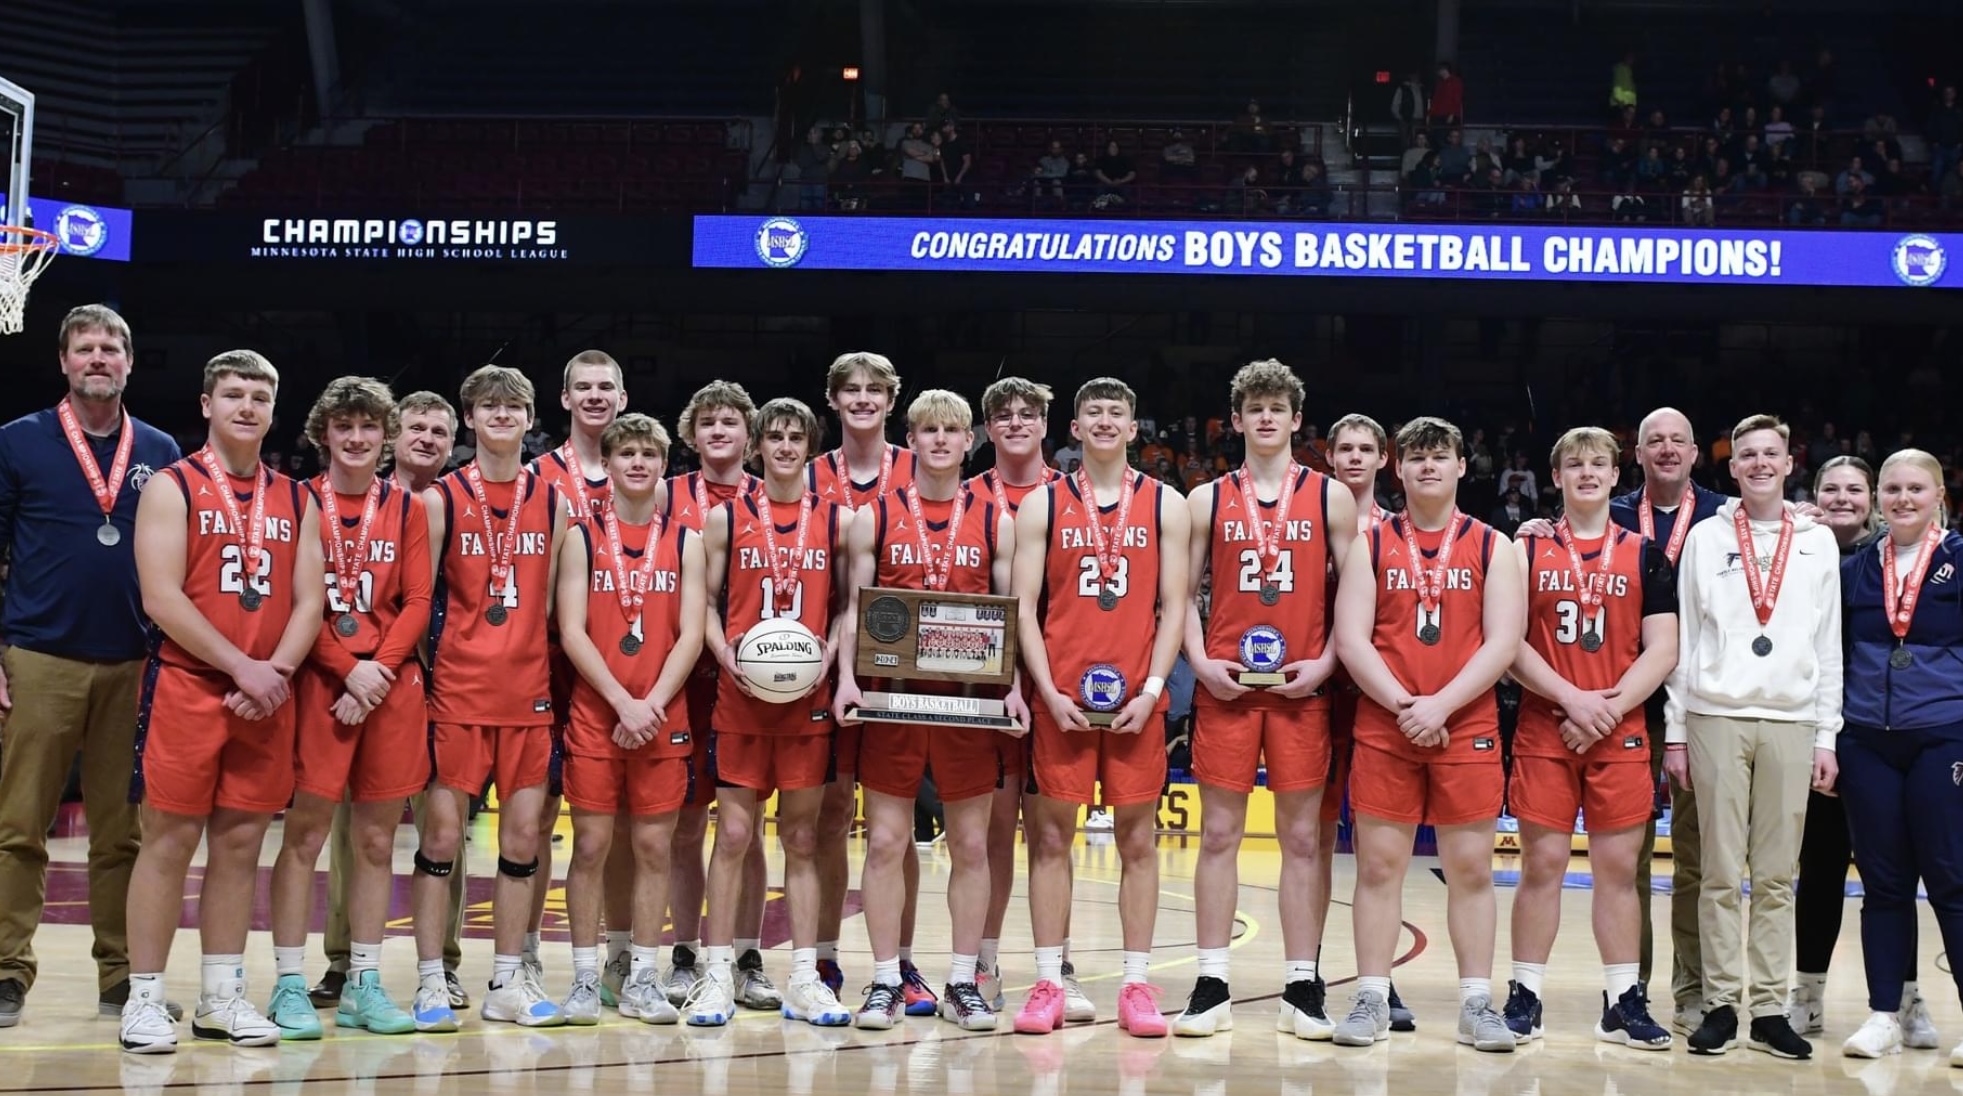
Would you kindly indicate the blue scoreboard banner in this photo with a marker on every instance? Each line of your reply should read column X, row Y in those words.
column 1471, row 252
column 86, row 231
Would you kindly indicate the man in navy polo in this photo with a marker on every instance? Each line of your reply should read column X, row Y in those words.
column 74, row 635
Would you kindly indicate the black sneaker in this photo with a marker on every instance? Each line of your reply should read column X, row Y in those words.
column 1401, row 1018
column 1718, row 1033
column 327, row 992
column 112, row 1000
column 962, row 1005
column 1628, row 1022
column 13, row 996
column 1209, row 1009
column 1522, row 1012
column 1310, row 1001
column 1775, row 1036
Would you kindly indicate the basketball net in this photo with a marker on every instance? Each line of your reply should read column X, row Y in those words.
column 24, row 254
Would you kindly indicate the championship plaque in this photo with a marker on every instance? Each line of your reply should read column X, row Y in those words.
column 1263, row 651
column 932, row 635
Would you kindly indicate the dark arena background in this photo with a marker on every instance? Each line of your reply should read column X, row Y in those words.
column 1520, row 215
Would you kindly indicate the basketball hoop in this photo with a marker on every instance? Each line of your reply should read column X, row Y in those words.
column 24, row 254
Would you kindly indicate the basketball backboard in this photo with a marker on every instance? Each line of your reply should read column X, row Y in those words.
column 17, row 138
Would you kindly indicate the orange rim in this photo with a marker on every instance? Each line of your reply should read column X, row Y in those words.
column 31, row 239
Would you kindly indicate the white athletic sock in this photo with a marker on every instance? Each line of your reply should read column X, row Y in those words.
column 886, row 972
column 429, row 973
column 989, row 954
column 1137, row 965
column 1370, row 983
column 586, row 961
column 960, row 968
column 1213, row 963
column 1066, row 949
column 827, row 949
column 1300, row 970
column 1049, row 965
column 291, row 961
column 804, row 963
column 906, row 953
column 146, row 987
column 504, row 969
column 618, row 943
column 363, row 957
column 747, row 944
column 644, row 958
column 1617, row 978
column 717, row 961
column 223, row 975
column 1474, row 987
column 531, row 945
column 1530, row 975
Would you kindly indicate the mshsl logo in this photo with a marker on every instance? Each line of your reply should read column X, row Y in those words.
column 781, row 242
column 1919, row 260
column 81, row 230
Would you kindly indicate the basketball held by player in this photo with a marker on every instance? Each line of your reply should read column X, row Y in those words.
column 934, row 535
column 1103, row 553
column 1429, row 616
column 228, row 557
column 772, row 555
column 631, row 604
column 1266, row 538
column 1601, row 637
column 495, row 529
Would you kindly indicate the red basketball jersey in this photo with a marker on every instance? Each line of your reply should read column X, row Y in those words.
column 691, row 498
column 989, row 485
column 1558, row 625
column 485, row 674
column 1424, row 669
column 897, row 542
column 218, row 578
column 749, row 597
column 389, row 601
column 655, row 628
column 1101, row 658
column 830, row 481
column 1300, row 577
column 586, row 494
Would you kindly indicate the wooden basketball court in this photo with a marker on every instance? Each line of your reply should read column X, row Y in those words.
column 61, row 1045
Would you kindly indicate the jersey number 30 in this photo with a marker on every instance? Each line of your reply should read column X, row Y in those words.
column 1568, row 619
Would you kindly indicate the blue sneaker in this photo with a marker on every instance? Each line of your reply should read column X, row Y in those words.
column 432, row 1011
column 1628, row 1022
column 365, row 1005
column 919, row 996
column 292, row 1010
column 1522, row 1012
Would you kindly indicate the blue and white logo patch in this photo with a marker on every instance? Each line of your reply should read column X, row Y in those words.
column 781, row 242
column 410, row 233
column 1262, row 649
column 1102, row 688
column 1919, row 260
column 81, row 230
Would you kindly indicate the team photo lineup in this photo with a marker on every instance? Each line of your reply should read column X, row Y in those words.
column 591, row 633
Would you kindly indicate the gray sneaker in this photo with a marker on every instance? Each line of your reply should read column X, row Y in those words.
column 1368, row 1022
column 13, row 995
column 1482, row 1028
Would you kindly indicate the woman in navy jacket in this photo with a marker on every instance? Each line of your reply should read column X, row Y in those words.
column 1901, row 752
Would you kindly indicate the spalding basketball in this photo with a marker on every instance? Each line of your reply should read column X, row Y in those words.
column 781, row 658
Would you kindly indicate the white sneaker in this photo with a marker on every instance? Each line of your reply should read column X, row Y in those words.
column 1077, row 1008
column 1805, row 1010
column 1918, row 1027
column 813, row 1002
column 989, row 982
column 646, row 1000
column 681, row 981
column 432, row 1010
column 582, row 1007
column 1956, row 1057
column 148, row 1029
column 521, row 1001
column 234, row 1020
column 709, row 1002
column 1097, row 820
column 755, row 990
column 1879, row 1037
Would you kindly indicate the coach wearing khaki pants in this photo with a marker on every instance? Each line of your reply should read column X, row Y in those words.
column 74, row 628
column 1753, row 712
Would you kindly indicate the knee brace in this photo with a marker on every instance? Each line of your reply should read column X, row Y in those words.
column 516, row 870
column 436, row 868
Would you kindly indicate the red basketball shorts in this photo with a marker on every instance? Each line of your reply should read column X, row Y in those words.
column 1122, row 770
column 780, row 762
column 967, row 761
column 384, row 757
column 1613, row 795
column 197, row 756
column 514, row 758
column 1390, row 787
column 1232, row 743
column 639, row 786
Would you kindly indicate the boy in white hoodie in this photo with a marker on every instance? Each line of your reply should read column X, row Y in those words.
column 1754, row 706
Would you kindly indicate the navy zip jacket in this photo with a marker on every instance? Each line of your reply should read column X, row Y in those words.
column 1929, row 691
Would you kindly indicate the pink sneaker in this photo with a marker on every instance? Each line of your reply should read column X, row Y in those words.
column 1138, row 1010
column 1043, row 1012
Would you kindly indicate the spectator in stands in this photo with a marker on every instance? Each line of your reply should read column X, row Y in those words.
column 1115, row 175
column 1051, row 169
column 1618, row 164
column 1622, row 83
column 1080, row 185
column 1492, row 200
column 1244, row 194
column 1777, row 129
column 1287, row 171
column 1752, row 163
column 1250, row 131
column 1179, row 164
column 1526, row 196
column 956, row 165
column 1447, row 106
column 1944, row 133
column 1512, row 511
column 1454, row 160
column 1853, row 172
column 1711, row 151
column 1783, row 86
column 1724, row 127
column 847, row 176
column 918, row 155
column 1882, row 136
column 1551, row 161
column 1890, row 181
column 1816, row 136
column 1858, row 207
column 1678, row 170
column 1806, row 210
column 942, row 112
column 1748, row 123
column 1651, row 170
column 1520, row 477
column 1628, row 127
column 1485, row 160
column 1407, row 105
column 1314, row 197
column 1424, row 182
column 1420, row 145
column 813, row 164
column 1697, row 203
column 1629, row 206
column 1562, row 201
column 1519, row 160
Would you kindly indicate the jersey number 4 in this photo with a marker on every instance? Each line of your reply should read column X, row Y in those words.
column 1568, row 621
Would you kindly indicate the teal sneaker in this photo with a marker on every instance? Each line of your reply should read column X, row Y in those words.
column 292, row 1010
column 366, row 1005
